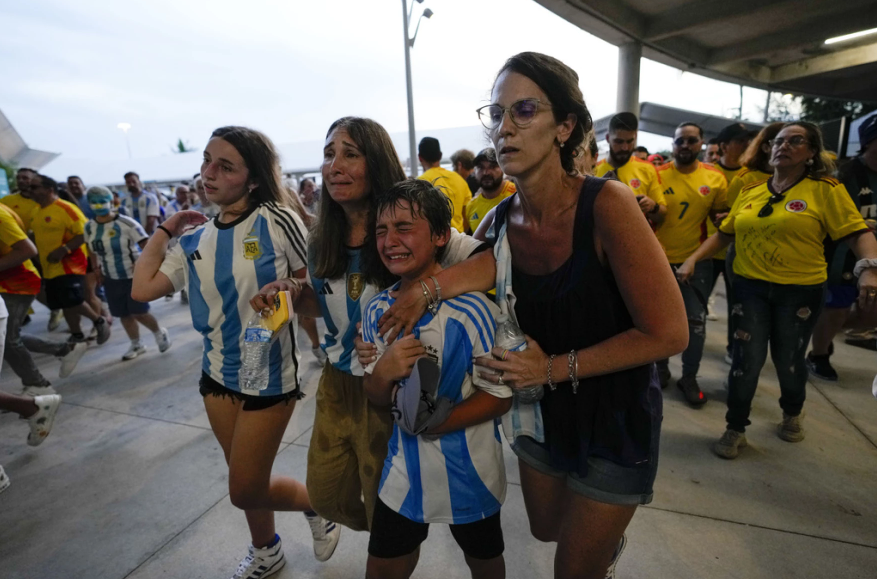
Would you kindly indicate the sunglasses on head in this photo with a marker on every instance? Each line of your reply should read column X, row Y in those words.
column 521, row 113
column 768, row 207
column 686, row 141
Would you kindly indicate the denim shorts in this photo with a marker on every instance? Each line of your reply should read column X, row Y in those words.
column 606, row 481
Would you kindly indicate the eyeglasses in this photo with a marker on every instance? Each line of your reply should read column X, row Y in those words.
column 768, row 207
column 521, row 113
column 792, row 142
column 686, row 141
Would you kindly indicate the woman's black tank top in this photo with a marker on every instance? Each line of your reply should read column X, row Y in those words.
column 579, row 305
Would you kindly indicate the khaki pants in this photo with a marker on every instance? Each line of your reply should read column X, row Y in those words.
column 348, row 448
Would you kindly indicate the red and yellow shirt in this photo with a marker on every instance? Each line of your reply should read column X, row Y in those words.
column 641, row 176
column 53, row 226
column 786, row 246
column 690, row 199
column 23, row 278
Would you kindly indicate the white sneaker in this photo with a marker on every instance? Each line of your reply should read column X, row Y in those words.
column 55, row 317
column 326, row 534
column 35, row 391
column 4, row 480
column 69, row 360
column 163, row 340
column 320, row 355
column 41, row 422
column 610, row 571
column 133, row 351
column 261, row 563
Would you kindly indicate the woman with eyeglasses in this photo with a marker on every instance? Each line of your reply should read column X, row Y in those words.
column 598, row 304
column 778, row 226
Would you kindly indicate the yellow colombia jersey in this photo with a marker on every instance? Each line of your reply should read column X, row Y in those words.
column 641, row 176
column 786, row 246
column 690, row 198
column 710, row 228
column 480, row 206
column 23, row 207
column 53, row 226
column 455, row 187
column 23, row 278
column 744, row 178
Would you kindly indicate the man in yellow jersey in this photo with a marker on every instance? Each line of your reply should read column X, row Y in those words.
column 20, row 201
column 732, row 142
column 494, row 188
column 694, row 191
column 639, row 175
column 19, row 284
column 58, row 228
column 451, row 184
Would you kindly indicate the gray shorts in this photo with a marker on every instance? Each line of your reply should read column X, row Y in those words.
column 606, row 481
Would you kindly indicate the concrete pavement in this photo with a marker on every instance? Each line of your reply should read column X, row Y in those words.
column 132, row 484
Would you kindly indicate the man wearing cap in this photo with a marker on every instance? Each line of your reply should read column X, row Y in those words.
column 494, row 188
column 859, row 176
column 463, row 162
column 451, row 184
column 639, row 175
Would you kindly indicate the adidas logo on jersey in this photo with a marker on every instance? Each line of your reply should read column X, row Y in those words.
column 326, row 290
column 195, row 256
column 670, row 191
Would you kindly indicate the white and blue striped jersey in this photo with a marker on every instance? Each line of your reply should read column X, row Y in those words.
column 173, row 206
column 116, row 244
column 341, row 301
column 223, row 265
column 460, row 477
column 141, row 208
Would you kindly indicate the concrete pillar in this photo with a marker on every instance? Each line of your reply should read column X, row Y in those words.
column 628, row 77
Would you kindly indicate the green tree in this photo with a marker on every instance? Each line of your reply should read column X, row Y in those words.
column 10, row 174
column 818, row 110
column 182, row 147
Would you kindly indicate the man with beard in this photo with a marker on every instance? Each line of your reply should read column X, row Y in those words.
column 494, row 188
column 695, row 192
column 139, row 204
column 76, row 188
column 20, row 201
column 712, row 154
column 639, row 175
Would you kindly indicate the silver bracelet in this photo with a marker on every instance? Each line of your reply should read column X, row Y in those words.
column 438, row 289
column 573, row 362
column 862, row 265
column 551, row 384
column 431, row 304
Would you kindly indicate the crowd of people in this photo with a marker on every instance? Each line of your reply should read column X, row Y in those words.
column 607, row 266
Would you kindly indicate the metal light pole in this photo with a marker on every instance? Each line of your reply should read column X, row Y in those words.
column 409, row 44
column 125, row 127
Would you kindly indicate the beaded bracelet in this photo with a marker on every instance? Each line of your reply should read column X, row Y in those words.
column 573, row 362
column 551, row 384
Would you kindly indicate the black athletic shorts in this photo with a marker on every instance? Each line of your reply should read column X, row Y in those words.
column 393, row 535
column 65, row 291
column 209, row 386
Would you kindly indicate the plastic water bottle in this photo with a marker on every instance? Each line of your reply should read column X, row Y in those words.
column 510, row 337
column 253, row 374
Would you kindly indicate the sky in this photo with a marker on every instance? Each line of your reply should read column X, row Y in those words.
column 177, row 69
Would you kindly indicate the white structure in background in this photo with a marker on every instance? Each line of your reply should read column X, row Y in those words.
column 14, row 151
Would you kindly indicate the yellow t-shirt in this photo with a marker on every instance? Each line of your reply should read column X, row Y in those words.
column 690, row 198
column 23, row 207
column 456, row 189
column 480, row 206
column 786, row 246
column 53, row 226
column 710, row 228
column 744, row 178
column 23, row 278
column 641, row 176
